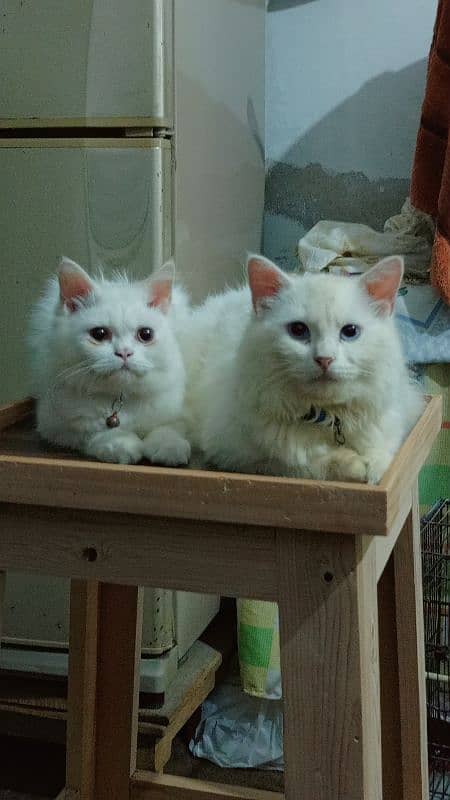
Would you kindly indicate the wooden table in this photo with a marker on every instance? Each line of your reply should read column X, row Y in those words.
column 342, row 560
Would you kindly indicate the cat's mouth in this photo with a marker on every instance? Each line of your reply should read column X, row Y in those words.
column 124, row 373
column 325, row 377
column 126, row 369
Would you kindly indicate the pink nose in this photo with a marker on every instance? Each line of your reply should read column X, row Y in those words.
column 123, row 354
column 324, row 362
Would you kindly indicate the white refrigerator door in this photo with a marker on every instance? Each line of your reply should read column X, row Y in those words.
column 86, row 63
column 96, row 201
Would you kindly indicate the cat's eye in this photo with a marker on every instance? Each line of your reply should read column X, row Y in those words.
column 100, row 334
column 298, row 330
column 350, row 332
column 145, row 335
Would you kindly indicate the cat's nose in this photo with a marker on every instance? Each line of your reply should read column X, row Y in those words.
column 124, row 354
column 324, row 362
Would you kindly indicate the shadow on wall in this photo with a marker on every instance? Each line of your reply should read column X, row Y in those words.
column 332, row 171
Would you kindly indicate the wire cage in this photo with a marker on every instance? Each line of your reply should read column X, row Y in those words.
column 435, row 534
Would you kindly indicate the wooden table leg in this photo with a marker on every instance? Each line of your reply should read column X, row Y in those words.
column 389, row 683
column 411, row 657
column 2, row 599
column 119, row 656
column 80, row 766
column 106, row 627
column 330, row 669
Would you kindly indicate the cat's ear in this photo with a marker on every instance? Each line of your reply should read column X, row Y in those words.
column 160, row 287
column 265, row 280
column 74, row 283
column 382, row 283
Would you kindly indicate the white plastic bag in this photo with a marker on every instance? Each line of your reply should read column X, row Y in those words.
column 239, row 731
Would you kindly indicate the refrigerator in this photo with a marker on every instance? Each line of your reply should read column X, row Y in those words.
column 128, row 133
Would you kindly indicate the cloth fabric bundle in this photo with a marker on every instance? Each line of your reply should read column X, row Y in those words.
column 348, row 247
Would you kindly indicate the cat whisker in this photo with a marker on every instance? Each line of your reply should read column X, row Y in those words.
column 69, row 373
column 83, row 363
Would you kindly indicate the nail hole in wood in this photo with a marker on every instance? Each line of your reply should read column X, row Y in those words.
column 90, row 554
column 328, row 577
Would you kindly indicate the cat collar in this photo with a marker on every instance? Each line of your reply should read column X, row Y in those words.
column 113, row 421
column 319, row 416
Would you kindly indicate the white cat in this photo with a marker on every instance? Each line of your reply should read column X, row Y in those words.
column 107, row 370
column 301, row 375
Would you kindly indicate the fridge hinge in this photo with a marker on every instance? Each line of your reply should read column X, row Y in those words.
column 154, row 133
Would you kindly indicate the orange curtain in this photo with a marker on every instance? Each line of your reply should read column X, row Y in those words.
column 430, row 188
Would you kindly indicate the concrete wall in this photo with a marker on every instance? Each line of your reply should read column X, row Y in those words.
column 345, row 83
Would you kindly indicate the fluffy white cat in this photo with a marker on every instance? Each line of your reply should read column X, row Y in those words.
column 107, row 370
column 301, row 375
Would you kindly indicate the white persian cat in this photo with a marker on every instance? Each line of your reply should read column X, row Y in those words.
column 301, row 375
column 107, row 370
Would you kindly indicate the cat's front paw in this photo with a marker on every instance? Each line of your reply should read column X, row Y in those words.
column 345, row 465
column 167, row 447
column 378, row 461
column 116, row 447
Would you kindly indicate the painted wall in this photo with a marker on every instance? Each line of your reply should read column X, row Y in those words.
column 345, row 83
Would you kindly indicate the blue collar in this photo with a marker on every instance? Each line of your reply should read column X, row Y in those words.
column 319, row 416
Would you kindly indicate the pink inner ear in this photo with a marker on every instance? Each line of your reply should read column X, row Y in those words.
column 264, row 281
column 384, row 288
column 73, row 285
column 161, row 294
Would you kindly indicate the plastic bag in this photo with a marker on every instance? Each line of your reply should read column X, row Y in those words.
column 240, row 731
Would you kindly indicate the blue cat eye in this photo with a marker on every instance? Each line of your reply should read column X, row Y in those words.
column 349, row 332
column 298, row 330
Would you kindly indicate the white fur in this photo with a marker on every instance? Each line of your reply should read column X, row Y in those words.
column 76, row 380
column 250, row 382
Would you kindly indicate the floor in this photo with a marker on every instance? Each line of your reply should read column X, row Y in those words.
column 35, row 770
column 6, row 794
